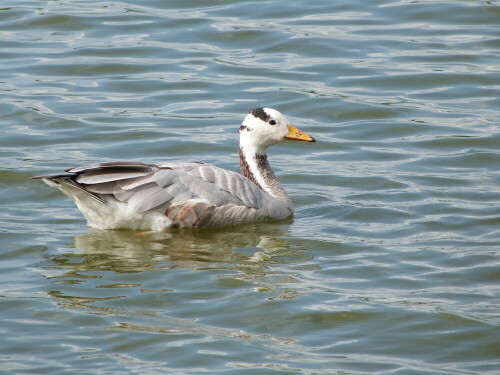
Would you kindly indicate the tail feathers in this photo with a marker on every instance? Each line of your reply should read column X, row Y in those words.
column 65, row 175
column 67, row 184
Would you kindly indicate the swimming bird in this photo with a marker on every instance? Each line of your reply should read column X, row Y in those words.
column 135, row 195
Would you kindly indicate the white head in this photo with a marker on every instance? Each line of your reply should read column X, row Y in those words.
column 264, row 127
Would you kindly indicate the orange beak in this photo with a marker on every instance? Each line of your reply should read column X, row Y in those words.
column 295, row 134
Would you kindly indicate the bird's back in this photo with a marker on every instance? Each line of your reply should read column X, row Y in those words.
column 147, row 196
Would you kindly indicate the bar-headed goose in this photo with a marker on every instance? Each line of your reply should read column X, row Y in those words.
column 135, row 195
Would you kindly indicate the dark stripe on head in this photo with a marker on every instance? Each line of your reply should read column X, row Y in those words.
column 244, row 127
column 260, row 113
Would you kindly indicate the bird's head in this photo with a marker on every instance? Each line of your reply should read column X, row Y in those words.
column 264, row 127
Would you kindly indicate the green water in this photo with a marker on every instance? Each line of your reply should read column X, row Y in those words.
column 390, row 265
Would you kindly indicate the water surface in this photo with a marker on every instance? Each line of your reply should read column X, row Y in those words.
column 390, row 265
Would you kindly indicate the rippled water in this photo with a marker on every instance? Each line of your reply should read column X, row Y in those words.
column 391, row 262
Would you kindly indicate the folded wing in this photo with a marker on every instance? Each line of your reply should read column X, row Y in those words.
column 147, row 186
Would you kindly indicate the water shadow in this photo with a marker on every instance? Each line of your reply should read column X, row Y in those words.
column 132, row 251
column 95, row 269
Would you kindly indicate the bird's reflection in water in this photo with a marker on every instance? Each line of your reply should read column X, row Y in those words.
column 81, row 276
column 245, row 249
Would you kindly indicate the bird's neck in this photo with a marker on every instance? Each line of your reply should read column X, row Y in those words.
column 256, row 168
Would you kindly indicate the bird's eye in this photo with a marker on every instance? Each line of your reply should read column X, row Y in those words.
column 272, row 122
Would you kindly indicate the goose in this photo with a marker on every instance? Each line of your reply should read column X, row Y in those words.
column 142, row 196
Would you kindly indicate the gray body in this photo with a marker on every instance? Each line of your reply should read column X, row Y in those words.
column 145, row 196
column 135, row 195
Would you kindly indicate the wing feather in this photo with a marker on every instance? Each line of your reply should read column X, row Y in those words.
column 102, row 188
column 207, row 173
column 150, row 199
column 143, row 198
column 106, row 175
column 240, row 190
column 123, row 195
column 166, row 177
column 182, row 197
column 222, row 180
column 145, row 186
